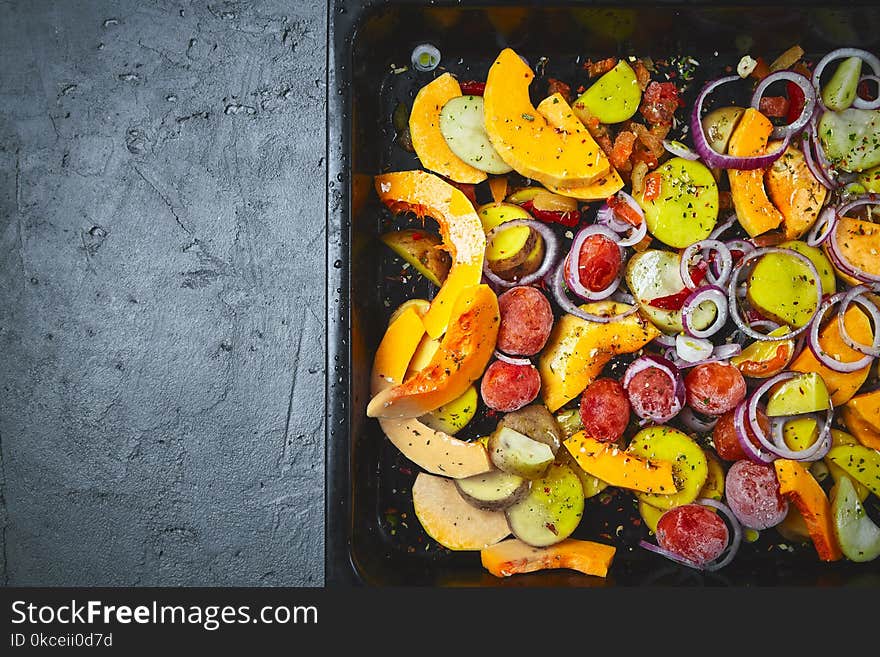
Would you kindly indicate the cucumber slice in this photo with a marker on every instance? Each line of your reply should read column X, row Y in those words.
column 653, row 274
column 537, row 423
column 518, row 454
column 850, row 138
column 551, row 511
column 462, row 126
column 690, row 470
column 686, row 209
column 494, row 490
column 840, row 91
column 857, row 535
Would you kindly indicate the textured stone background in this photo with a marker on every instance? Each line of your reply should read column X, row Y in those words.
column 161, row 292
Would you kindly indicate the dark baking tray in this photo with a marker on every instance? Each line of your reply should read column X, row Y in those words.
column 372, row 536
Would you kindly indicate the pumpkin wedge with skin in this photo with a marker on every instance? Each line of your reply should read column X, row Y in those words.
column 841, row 385
column 794, row 191
column 577, row 350
column 618, row 468
column 754, row 210
column 463, row 236
column 560, row 116
column 802, row 489
column 424, row 128
column 512, row 556
column 434, row 451
column 862, row 417
column 526, row 140
column 463, row 354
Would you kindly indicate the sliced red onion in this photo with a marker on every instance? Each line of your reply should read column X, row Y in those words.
column 754, row 452
column 635, row 236
column 718, row 160
column 727, row 351
column 721, row 228
column 572, row 265
column 825, row 224
column 706, row 246
column 680, row 150
column 709, row 293
column 857, row 295
column 809, row 100
column 815, row 346
column 504, row 358
column 665, row 340
column 605, row 217
column 692, row 349
column 731, row 292
column 559, row 294
column 743, row 246
column 825, row 165
column 834, row 252
column 783, row 451
column 842, row 53
column 729, row 552
column 631, row 202
column 551, row 249
column 691, row 421
column 807, row 148
column 824, row 445
column 861, row 103
column 669, row 369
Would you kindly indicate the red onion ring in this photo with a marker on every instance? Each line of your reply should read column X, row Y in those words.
column 557, row 286
column 665, row 340
column 729, row 551
column 706, row 245
column 809, row 100
column 680, row 150
column 857, row 295
column 825, row 224
column 710, row 293
column 841, row 53
column 727, row 351
column 721, row 228
column 778, row 429
column 691, row 421
column 605, row 217
column 692, row 350
column 669, row 369
column 861, row 103
column 813, row 340
column 731, row 292
column 807, row 147
column 717, row 160
column 752, row 451
column 834, row 252
column 551, row 248
column 510, row 360
column 572, row 264
column 783, row 451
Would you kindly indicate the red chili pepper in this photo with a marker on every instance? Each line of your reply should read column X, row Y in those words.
column 796, row 102
column 472, row 88
column 676, row 301
column 567, row 219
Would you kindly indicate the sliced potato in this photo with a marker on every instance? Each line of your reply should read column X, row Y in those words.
column 842, row 438
column 462, row 125
column 536, row 422
column 650, row 515
column 552, row 509
column 690, row 469
column 591, row 484
column 861, row 463
column 454, row 416
column 714, row 486
column 719, row 124
column 613, row 98
column 516, row 453
column 856, row 533
column 493, row 491
column 805, row 393
column 782, row 288
column 570, row 421
column 420, row 249
column 450, row 520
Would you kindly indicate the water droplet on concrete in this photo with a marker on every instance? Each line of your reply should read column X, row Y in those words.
column 227, row 15
column 337, row 264
column 129, row 77
column 171, row 98
column 238, row 108
column 110, row 21
column 98, row 231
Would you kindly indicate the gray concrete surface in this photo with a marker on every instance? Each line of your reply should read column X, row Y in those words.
column 161, row 292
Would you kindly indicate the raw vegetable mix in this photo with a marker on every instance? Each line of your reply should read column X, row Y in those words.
column 674, row 300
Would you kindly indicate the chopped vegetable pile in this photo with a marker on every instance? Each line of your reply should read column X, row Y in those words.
column 677, row 301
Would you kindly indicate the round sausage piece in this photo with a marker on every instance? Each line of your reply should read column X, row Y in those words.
column 714, row 388
column 726, row 441
column 651, row 393
column 506, row 387
column 693, row 532
column 599, row 263
column 752, row 492
column 604, row 410
column 526, row 321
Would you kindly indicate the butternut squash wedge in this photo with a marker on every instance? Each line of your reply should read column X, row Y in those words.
column 754, row 210
column 802, row 489
column 618, row 468
column 794, row 191
column 841, row 385
column 395, row 351
column 526, row 140
column 463, row 354
column 862, row 417
column 512, row 556
column 859, row 245
column 424, row 128
column 599, row 190
column 463, row 237
column 577, row 350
